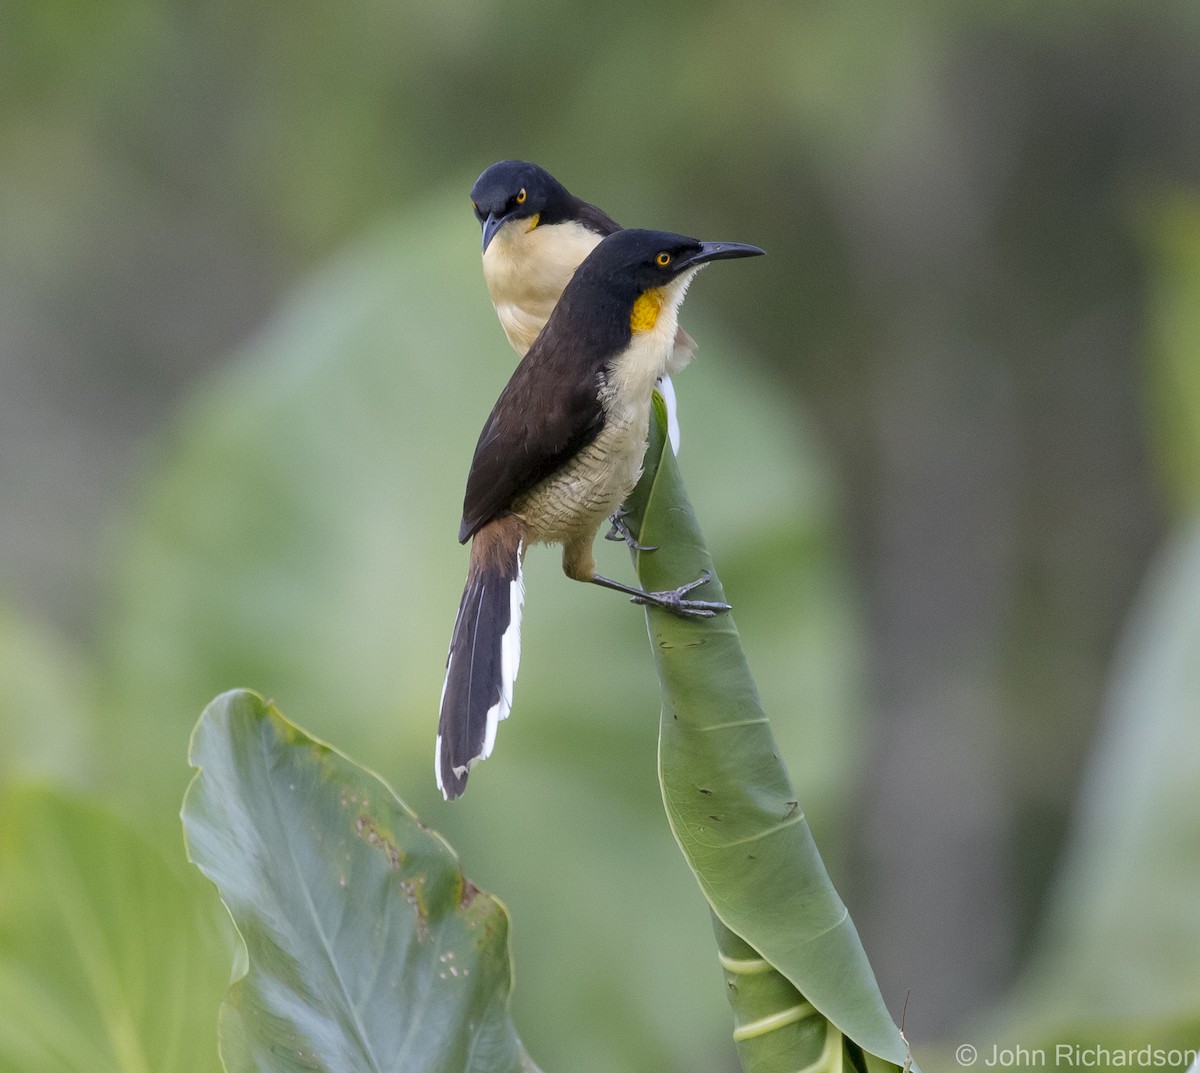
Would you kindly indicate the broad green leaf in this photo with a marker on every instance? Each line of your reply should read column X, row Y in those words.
column 366, row 948
column 109, row 962
column 735, row 816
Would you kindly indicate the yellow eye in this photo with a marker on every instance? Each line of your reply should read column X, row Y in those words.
column 663, row 259
column 521, row 196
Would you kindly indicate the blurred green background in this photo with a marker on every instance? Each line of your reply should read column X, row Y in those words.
column 944, row 441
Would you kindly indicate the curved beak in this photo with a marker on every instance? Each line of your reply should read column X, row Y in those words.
column 490, row 226
column 716, row 251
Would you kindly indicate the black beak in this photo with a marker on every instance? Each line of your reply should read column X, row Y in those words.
column 716, row 251
column 491, row 225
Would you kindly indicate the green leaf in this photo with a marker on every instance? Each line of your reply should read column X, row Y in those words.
column 109, row 962
column 735, row 816
column 367, row 950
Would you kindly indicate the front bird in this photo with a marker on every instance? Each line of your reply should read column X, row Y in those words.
column 535, row 234
column 560, row 451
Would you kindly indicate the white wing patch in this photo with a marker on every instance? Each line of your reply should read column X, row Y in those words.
column 510, row 659
column 437, row 757
column 667, row 390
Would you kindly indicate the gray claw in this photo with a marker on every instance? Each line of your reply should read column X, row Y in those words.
column 620, row 531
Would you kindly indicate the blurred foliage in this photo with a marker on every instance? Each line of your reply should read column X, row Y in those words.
column 109, row 961
column 930, row 461
column 1174, row 347
column 47, row 709
column 1116, row 960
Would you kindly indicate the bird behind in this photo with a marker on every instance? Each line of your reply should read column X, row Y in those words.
column 536, row 233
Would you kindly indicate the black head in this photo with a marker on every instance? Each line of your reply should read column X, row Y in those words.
column 634, row 261
column 625, row 281
column 518, row 190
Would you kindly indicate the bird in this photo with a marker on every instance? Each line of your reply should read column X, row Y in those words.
column 561, row 449
column 536, row 233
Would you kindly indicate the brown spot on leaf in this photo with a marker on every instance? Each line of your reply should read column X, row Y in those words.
column 469, row 891
column 368, row 830
column 412, row 893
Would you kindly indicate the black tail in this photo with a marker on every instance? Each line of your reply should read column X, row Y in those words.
column 484, row 653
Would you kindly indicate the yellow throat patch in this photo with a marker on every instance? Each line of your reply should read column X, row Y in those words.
column 646, row 310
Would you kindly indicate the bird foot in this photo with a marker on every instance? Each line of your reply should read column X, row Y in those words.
column 620, row 531
column 673, row 600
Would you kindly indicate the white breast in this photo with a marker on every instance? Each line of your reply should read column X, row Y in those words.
column 526, row 271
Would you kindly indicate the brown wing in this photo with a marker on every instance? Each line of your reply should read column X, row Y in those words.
column 595, row 219
column 548, row 412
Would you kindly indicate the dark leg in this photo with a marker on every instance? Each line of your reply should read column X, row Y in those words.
column 672, row 599
column 620, row 531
